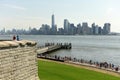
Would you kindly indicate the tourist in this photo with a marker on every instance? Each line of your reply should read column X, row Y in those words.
column 116, row 69
column 14, row 38
column 17, row 38
column 112, row 66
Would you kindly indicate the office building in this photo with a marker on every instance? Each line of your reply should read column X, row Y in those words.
column 106, row 28
column 66, row 26
column 53, row 26
column 85, row 28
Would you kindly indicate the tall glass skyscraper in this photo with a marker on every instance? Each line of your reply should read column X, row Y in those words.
column 66, row 26
column 53, row 21
column 54, row 27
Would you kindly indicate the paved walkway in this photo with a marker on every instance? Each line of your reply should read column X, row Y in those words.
column 86, row 67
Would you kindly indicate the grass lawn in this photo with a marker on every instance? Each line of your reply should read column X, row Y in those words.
column 56, row 71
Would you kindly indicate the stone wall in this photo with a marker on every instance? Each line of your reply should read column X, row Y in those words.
column 18, row 63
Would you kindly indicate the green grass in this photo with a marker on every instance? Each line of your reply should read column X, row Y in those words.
column 55, row 71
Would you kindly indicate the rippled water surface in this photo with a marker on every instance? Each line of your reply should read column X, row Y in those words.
column 97, row 48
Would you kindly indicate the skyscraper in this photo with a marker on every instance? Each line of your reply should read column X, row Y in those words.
column 66, row 26
column 85, row 28
column 54, row 27
column 79, row 29
column 96, row 30
column 99, row 30
column 93, row 28
column 53, row 21
column 106, row 28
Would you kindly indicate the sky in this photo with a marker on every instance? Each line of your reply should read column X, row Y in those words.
column 33, row 13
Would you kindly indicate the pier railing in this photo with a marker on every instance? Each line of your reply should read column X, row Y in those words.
column 50, row 47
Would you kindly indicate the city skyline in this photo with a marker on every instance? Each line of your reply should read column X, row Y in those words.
column 24, row 14
column 68, row 29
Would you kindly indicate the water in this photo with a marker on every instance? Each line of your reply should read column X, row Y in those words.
column 97, row 48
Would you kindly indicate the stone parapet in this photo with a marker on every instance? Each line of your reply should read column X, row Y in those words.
column 18, row 60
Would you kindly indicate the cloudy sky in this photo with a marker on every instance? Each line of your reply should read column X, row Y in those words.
column 25, row 13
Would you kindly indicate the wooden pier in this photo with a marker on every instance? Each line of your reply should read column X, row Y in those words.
column 50, row 47
column 61, row 45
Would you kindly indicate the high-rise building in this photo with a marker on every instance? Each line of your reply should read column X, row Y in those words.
column 53, row 21
column 106, row 28
column 45, row 29
column 2, row 31
column 85, row 28
column 72, row 29
column 79, row 29
column 96, row 30
column 99, row 30
column 53, row 26
column 66, row 26
column 93, row 28
column 29, row 29
column 60, row 31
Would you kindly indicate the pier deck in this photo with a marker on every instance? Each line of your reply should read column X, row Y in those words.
column 50, row 47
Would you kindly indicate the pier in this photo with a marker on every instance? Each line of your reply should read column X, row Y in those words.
column 50, row 47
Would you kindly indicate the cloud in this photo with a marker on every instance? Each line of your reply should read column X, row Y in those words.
column 14, row 7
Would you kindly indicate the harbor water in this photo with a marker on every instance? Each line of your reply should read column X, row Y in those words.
column 96, row 48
